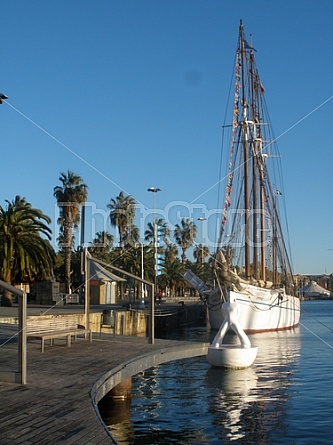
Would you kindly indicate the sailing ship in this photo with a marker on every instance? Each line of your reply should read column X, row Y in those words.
column 251, row 263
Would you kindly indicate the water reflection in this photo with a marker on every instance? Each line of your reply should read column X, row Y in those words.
column 250, row 406
column 232, row 392
column 117, row 415
column 188, row 402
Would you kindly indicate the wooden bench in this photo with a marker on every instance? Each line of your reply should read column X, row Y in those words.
column 56, row 326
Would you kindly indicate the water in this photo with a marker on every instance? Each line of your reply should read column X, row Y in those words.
column 285, row 398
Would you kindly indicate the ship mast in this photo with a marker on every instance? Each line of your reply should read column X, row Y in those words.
column 254, row 164
column 254, row 154
column 262, row 216
column 245, row 156
column 258, row 177
column 256, row 242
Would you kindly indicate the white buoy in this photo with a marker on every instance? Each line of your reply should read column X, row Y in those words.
column 231, row 355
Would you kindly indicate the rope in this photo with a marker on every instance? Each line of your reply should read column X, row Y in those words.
column 318, row 321
column 220, row 287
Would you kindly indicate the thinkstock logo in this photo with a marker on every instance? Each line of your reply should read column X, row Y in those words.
column 206, row 223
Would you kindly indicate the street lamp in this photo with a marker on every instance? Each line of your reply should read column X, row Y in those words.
column 2, row 98
column 142, row 304
column 154, row 190
column 202, row 219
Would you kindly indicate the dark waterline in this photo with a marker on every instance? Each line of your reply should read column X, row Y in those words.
column 285, row 398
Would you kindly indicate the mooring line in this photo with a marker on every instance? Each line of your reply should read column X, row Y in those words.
column 72, row 151
column 316, row 319
column 330, row 346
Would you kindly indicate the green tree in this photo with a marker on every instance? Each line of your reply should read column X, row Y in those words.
column 131, row 237
column 132, row 264
column 25, row 250
column 163, row 230
column 200, row 253
column 171, row 252
column 69, row 195
column 122, row 214
column 185, row 234
column 101, row 245
column 204, row 272
column 172, row 276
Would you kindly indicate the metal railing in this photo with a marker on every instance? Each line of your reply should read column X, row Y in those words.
column 19, row 375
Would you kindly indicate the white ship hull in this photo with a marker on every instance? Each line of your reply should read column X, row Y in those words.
column 260, row 309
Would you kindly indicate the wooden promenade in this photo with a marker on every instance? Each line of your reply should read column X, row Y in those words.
column 56, row 407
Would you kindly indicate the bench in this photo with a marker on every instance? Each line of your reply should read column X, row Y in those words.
column 56, row 326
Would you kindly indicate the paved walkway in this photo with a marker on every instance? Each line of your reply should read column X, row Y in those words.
column 55, row 407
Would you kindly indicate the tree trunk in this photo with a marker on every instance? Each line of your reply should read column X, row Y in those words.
column 7, row 297
column 68, row 255
column 67, row 269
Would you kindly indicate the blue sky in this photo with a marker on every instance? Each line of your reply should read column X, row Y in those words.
column 132, row 94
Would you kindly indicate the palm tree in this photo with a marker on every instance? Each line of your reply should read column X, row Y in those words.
column 70, row 195
column 200, row 253
column 162, row 228
column 171, row 252
column 173, row 275
column 185, row 235
column 122, row 213
column 131, row 236
column 102, row 243
column 62, row 241
column 203, row 271
column 24, row 251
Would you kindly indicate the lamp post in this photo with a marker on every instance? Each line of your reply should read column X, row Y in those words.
column 2, row 98
column 142, row 304
column 202, row 219
column 154, row 190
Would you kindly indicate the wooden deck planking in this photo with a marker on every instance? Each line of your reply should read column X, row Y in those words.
column 55, row 406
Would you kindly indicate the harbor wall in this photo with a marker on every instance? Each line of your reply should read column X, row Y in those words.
column 127, row 321
column 132, row 367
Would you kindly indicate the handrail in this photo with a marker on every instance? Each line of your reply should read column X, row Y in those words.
column 12, row 289
column 141, row 280
column 21, row 375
